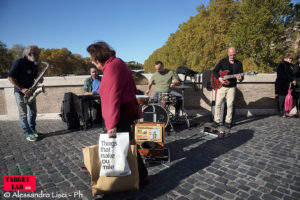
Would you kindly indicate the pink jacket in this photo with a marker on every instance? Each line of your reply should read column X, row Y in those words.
column 117, row 88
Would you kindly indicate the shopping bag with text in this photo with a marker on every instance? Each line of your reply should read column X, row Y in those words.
column 113, row 155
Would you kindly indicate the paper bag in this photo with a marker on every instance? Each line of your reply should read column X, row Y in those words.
column 103, row 184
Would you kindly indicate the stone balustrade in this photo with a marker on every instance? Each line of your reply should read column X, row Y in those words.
column 255, row 96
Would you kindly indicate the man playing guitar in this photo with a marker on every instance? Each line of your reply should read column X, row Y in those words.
column 227, row 66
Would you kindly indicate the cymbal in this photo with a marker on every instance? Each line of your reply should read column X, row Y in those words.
column 139, row 79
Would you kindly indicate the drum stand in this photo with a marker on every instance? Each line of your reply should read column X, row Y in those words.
column 173, row 119
column 183, row 110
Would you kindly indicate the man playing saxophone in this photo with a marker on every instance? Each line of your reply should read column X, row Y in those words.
column 22, row 75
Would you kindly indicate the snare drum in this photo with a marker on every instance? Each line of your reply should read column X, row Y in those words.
column 164, row 98
column 167, row 98
column 156, row 113
column 142, row 99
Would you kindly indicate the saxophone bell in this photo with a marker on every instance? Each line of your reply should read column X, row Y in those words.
column 31, row 98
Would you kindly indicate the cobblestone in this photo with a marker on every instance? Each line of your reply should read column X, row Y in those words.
column 258, row 160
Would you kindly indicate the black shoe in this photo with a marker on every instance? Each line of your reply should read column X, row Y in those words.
column 280, row 113
column 228, row 125
column 145, row 181
column 215, row 125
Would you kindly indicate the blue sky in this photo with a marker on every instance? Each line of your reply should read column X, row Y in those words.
column 134, row 28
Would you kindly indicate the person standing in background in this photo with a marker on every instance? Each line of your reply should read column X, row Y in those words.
column 22, row 75
column 284, row 77
column 296, row 74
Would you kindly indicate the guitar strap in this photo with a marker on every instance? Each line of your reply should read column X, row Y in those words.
column 216, row 94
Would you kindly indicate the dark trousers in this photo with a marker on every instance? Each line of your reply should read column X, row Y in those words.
column 297, row 100
column 281, row 99
column 125, row 126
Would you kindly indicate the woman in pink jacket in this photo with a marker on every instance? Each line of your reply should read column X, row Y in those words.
column 117, row 92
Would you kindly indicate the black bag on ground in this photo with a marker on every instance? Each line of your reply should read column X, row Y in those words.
column 68, row 111
column 185, row 71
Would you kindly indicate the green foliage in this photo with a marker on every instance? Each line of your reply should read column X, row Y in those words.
column 6, row 60
column 259, row 29
column 259, row 32
column 134, row 65
column 61, row 61
column 17, row 51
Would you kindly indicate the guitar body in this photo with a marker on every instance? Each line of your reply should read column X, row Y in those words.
column 215, row 83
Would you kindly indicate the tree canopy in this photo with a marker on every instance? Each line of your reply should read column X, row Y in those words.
column 6, row 60
column 62, row 61
column 260, row 30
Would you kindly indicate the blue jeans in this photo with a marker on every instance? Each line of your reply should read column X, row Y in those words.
column 27, row 122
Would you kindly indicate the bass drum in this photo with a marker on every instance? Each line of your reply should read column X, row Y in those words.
column 156, row 113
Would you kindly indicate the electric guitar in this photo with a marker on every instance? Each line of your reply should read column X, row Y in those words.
column 216, row 84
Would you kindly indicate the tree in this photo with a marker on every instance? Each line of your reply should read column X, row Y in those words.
column 134, row 65
column 201, row 41
column 6, row 60
column 17, row 51
column 63, row 62
column 259, row 32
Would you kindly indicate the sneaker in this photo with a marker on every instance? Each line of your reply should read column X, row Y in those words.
column 31, row 138
column 36, row 134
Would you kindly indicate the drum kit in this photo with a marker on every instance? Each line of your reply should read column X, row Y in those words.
column 155, row 114
column 160, row 111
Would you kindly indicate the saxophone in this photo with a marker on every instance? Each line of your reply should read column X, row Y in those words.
column 34, row 88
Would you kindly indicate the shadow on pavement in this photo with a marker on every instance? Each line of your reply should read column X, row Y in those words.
column 55, row 133
column 239, row 120
column 195, row 159
column 189, row 162
column 65, row 131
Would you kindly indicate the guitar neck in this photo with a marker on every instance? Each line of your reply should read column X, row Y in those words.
column 232, row 76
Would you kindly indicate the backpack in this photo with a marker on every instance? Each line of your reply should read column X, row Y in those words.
column 68, row 111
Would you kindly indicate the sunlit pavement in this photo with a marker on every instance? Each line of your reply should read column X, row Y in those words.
column 258, row 160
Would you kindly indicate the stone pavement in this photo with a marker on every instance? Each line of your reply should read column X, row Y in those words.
column 259, row 160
